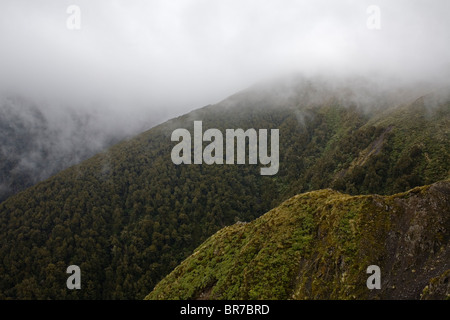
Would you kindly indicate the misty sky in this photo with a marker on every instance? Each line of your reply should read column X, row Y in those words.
column 178, row 55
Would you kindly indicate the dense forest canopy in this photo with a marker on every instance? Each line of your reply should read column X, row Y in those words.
column 128, row 216
column 39, row 140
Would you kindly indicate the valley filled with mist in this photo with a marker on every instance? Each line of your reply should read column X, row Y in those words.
column 92, row 93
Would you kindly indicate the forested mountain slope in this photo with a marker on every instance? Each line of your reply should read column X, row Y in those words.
column 129, row 216
column 38, row 141
column 318, row 245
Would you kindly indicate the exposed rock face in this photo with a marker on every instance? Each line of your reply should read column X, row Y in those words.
column 418, row 242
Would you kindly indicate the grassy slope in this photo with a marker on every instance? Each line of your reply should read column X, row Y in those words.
column 317, row 245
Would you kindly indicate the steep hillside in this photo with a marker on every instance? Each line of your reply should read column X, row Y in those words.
column 318, row 245
column 129, row 216
column 37, row 144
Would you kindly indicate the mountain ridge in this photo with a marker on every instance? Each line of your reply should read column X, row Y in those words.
column 128, row 216
column 317, row 246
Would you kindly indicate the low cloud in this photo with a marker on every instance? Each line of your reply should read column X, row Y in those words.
column 169, row 57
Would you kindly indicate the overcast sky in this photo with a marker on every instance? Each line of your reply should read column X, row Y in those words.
column 178, row 55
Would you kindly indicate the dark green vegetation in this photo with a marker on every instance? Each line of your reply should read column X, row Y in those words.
column 129, row 216
column 34, row 147
column 317, row 245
